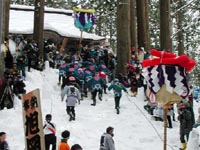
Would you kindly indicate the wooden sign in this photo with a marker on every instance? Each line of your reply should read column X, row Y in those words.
column 32, row 119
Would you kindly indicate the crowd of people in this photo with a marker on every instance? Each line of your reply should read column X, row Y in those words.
column 185, row 116
column 88, row 69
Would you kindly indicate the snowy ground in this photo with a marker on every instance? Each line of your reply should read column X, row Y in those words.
column 134, row 129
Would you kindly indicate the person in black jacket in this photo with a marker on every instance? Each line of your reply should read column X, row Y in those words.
column 3, row 142
column 186, row 119
column 8, row 60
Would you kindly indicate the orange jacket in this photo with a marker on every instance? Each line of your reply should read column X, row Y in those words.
column 63, row 146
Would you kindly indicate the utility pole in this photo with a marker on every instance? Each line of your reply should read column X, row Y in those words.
column 39, row 26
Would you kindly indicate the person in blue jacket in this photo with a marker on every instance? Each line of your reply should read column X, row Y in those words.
column 96, row 84
column 196, row 94
column 117, row 88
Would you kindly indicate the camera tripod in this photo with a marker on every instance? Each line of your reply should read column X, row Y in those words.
column 7, row 99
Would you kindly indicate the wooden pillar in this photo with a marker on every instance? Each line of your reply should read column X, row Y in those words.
column 39, row 26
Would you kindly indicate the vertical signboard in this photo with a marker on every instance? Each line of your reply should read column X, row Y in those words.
column 32, row 119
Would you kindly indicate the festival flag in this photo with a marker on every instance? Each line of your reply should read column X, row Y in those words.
column 83, row 18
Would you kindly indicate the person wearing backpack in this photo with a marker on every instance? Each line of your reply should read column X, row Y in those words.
column 50, row 133
column 73, row 96
column 102, row 147
column 117, row 88
column 106, row 141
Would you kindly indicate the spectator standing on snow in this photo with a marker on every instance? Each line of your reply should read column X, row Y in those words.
column 112, row 63
column 50, row 133
column 106, row 141
column 3, row 142
column 22, row 61
column 63, row 145
column 186, row 119
column 8, row 60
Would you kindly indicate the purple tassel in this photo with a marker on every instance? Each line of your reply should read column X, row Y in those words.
column 82, row 18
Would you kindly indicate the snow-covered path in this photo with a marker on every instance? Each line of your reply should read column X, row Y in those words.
column 133, row 127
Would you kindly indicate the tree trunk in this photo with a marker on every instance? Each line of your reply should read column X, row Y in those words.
column 165, row 27
column 39, row 26
column 133, row 25
column 180, row 37
column 7, row 16
column 123, row 35
column 143, row 27
column 2, row 36
column 99, row 26
column 147, row 35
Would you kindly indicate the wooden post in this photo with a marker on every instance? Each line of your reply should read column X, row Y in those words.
column 78, row 53
column 64, row 43
column 81, row 38
column 165, row 109
column 165, row 128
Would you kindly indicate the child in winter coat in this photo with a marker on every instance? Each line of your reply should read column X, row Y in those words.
column 117, row 88
column 63, row 145
column 50, row 133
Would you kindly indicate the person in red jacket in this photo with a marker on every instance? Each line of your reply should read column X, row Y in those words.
column 103, row 76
